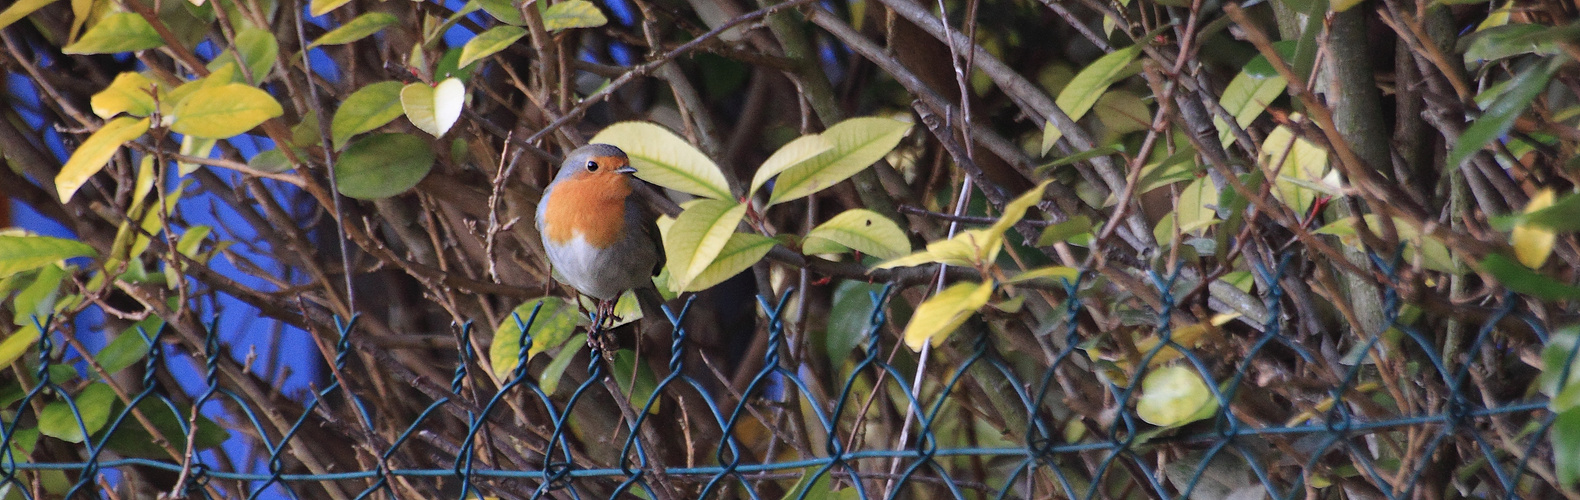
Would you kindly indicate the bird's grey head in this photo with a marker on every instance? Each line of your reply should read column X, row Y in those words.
column 595, row 158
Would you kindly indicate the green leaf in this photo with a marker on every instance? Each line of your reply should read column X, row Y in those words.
column 1565, row 436
column 939, row 316
column 1431, row 252
column 116, row 32
column 356, row 29
column 93, row 404
column 16, row 345
column 554, row 324
column 129, row 93
column 1082, row 92
column 1076, row 158
column 849, row 318
column 1500, row 115
column 225, row 111
column 129, row 347
column 638, row 387
column 788, row 156
column 134, row 440
column 368, row 108
column 867, row 231
column 1245, row 98
column 1063, row 231
column 1304, row 55
column 697, row 237
column 549, row 380
column 446, row 66
column 1510, row 40
column 1563, row 216
column 1522, row 279
column 258, row 49
column 489, row 42
column 321, row 7
column 37, row 299
column 663, row 158
column 858, row 143
column 739, row 254
column 434, row 109
column 503, row 10
column 91, row 156
column 273, row 161
column 1178, row 167
column 21, row 9
column 572, row 14
column 1560, row 366
column 26, row 253
column 1260, row 67
column 1175, row 395
column 383, row 165
column 626, row 309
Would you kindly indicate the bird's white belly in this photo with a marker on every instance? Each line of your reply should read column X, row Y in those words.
column 588, row 269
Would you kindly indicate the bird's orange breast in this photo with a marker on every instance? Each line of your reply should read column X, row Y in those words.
column 589, row 204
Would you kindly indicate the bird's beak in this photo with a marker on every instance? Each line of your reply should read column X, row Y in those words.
column 628, row 170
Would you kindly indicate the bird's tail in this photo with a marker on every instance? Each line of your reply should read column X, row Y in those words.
column 652, row 308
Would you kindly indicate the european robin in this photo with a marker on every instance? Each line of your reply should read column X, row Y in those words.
column 600, row 239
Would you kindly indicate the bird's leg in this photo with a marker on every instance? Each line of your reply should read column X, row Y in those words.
column 600, row 336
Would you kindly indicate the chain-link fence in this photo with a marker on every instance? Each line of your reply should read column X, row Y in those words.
column 1391, row 415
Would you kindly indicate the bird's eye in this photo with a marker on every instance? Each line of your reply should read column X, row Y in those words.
column 592, row 166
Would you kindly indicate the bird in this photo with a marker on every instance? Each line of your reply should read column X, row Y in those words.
column 598, row 235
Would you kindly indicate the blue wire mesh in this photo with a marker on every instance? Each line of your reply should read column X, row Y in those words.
column 1492, row 444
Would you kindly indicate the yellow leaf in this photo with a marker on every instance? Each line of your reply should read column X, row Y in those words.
column 1015, row 210
column 790, row 155
column 1189, row 336
column 15, row 345
column 866, row 231
column 697, row 237
column 321, row 7
column 973, row 247
column 95, row 152
column 968, row 248
column 939, row 316
column 1083, row 91
column 572, row 14
column 129, row 93
column 1532, row 243
column 663, row 158
column 552, row 326
column 739, row 253
column 858, row 142
column 224, row 111
column 434, row 109
column 1172, row 396
column 1050, row 272
column 20, row 10
column 1343, row 5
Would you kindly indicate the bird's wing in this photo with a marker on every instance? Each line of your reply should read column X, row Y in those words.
column 644, row 218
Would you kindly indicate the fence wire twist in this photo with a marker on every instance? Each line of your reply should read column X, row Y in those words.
column 1332, row 444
